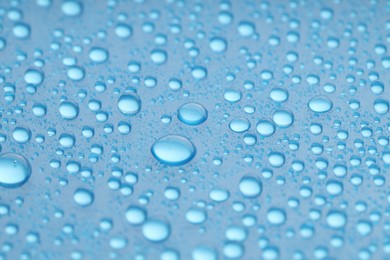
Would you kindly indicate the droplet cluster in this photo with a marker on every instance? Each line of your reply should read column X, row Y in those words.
column 201, row 130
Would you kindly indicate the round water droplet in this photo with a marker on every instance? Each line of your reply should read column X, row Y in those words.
column 196, row 216
column 71, row 7
column 123, row 31
column 172, row 193
column 320, row 104
column 14, row 170
column 232, row 95
column 276, row 159
column 98, row 55
column 336, row 219
column 67, row 140
column 219, row 195
column 156, row 230
column 173, row 150
column 283, row 118
column 218, row 44
column 192, row 114
column 76, row 73
column 246, row 29
column 129, row 104
column 21, row 31
column 278, row 94
column 250, row 187
column 265, row 128
column 199, row 72
column 21, row 134
column 83, row 197
column 276, row 216
column 135, row 215
column 33, row 76
column 239, row 124
column 381, row 106
column 159, row 57
column 68, row 110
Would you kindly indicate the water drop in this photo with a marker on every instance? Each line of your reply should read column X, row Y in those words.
column 192, row 114
column 71, row 7
column 135, row 215
column 129, row 104
column 218, row 44
column 21, row 134
column 320, row 104
column 156, row 230
column 15, row 170
column 83, row 197
column 98, row 55
column 336, row 219
column 76, row 73
column 239, row 124
column 276, row 216
column 265, row 128
column 173, row 150
column 33, row 76
column 68, row 110
column 250, row 187
column 283, row 118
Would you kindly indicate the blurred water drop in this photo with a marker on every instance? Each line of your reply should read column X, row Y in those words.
column 83, row 197
column 156, row 230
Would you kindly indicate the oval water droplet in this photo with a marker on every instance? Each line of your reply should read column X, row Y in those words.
column 283, row 118
column 192, row 114
column 83, row 197
column 129, row 104
column 156, row 230
column 68, row 110
column 320, row 104
column 265, row 128
column 218, row 44
column 173, row 150
column 239, row 124
column 250, row 187
column 98, row 55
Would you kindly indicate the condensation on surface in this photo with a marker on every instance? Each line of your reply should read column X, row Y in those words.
column 145, row 129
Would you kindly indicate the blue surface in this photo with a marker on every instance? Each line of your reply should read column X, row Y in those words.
column 148, row 129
